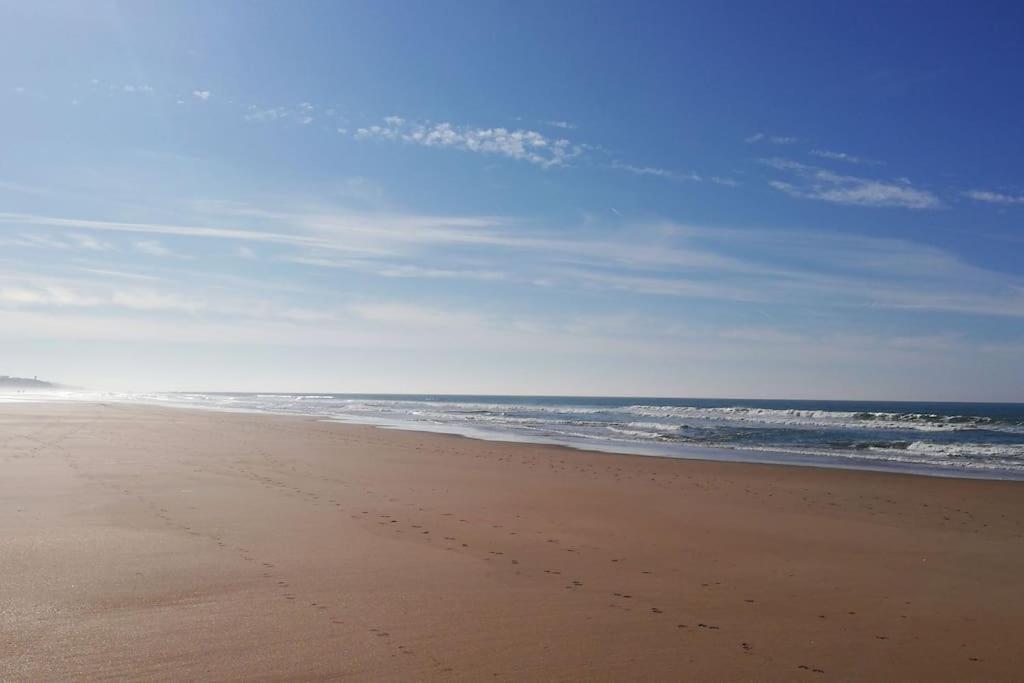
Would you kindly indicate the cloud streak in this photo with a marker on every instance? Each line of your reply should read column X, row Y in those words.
column 675, row 176
column 767, row 267
column 658, row 172
column 990, row 197
column 840, row 156
column 770, row 139
column 810, row 182
column 519, row 144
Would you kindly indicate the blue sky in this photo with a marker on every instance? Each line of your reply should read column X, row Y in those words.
column 777, row 200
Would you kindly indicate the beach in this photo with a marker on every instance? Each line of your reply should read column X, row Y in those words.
column 159, row 543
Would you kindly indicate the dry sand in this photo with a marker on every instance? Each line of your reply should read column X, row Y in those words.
column 155, row 543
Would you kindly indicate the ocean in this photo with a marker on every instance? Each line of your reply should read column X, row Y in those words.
column 953, row 439
column 941, row 439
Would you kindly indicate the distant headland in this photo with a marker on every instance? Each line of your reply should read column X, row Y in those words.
column 7, row 382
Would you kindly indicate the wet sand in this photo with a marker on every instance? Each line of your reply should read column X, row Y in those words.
column 152, row 543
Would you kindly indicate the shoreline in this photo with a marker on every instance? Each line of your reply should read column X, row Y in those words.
column 755, row 456
column 703, row 454
column 896, row 469
column 138, row 541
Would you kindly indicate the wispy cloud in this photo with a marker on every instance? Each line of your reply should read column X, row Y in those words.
column 65, row 241
column 301, row 114
column 185, row 293
column 150, row 300
column 47, row 295
column 34, row 241
column 170, row 229
column 88, row 242
column 657, row 259
column 840, row 156
column 676, row 176
column 550, row 151
column 770, row 139
column 618, row 277
column 519, row 144
column 658, row 172
column 265, row 114
column 810, row 182
column 120, row 274
column 156, row 248
column 419, row 316
column 395, row 270
column 75, row 296
column 991, row 197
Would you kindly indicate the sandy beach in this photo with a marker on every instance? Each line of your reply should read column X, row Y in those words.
column 151, row 543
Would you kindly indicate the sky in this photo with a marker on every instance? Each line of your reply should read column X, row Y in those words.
column 743, row 199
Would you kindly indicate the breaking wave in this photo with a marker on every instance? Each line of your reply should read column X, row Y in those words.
column 987, row 438
column 827, row 418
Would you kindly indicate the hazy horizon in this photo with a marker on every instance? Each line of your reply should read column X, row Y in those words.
column 579, row 200
column 311, row 392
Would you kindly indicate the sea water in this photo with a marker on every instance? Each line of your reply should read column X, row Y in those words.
column 958, row 439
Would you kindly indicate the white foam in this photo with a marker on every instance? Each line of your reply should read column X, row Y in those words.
column 654, row 429
column 820, row 418
column 967, row 450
